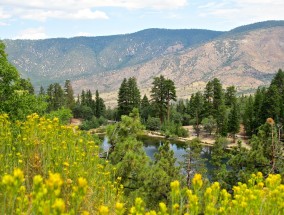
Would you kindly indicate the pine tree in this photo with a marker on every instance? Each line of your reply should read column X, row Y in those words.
column 162, row 92
column 230, row 96
column 196, row 109
column 145, row 108
column 249, row 117
column 271, row 105
column 234, row 120
column 69, row 95
column 258, row 107
column 208, row 99
column 160, row 175
column 99, row 105
column 193, row 162
column 41, row 91
column 128, row 96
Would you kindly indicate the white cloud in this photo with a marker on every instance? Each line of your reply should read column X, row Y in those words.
column 88, row 14
column 3, row 24
column 77, row 9
column 42, row 15
column 32, row 33
column 4, row 14
column 239, row 12
column 80, row 4
column 83, row 34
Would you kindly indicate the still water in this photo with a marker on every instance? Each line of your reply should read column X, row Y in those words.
column 151, row 146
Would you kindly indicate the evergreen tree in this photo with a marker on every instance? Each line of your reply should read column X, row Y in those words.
column 271, row 105
column 127, row 153
column 278, row 81
column 161, row 174
column 55, row 97
column 25, row 84
column 162, row 92
column 218, row 96
column 222, row 120
column 249, row 117
column 99, row 105
column 234, row 120
column 83, row 98
column 209, row 124
column 69, row 95
column 123, row 99
column 128, row 96
column 145, row 108
column 208, row 99
column 41, row 91
column 193, row 162
column 258, row 107
column 134, row 94
column 230, row 96
column 196, row 109
column 218, row 171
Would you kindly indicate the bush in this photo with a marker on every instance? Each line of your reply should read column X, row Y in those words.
column 93, row 123
column 82, row 111
column 63, row 114
column 170, row 129
column 153, row 124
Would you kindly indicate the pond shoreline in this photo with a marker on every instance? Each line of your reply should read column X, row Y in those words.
column 205, row 141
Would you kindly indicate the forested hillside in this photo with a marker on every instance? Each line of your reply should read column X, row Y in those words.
column 49, row 166
column 247, row 57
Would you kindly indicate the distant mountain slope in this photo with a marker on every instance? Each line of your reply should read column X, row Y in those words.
column 50, row 60
column 246, row 60
column 247, row 56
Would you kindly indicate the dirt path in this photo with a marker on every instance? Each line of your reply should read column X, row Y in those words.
column 75, row 122
column 208, row 139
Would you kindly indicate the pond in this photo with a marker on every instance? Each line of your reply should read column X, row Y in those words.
column 151, row 146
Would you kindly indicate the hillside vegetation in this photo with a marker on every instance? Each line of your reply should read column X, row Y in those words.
column 246, row 57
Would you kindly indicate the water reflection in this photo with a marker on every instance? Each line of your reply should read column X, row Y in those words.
column 151, row 146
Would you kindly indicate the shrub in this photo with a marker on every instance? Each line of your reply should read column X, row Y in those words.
column 153, row 124
column 63, row 114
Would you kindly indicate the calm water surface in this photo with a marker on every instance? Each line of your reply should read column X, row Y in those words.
column 151, row 146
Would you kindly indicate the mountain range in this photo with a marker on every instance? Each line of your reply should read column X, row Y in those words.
column 247, row 57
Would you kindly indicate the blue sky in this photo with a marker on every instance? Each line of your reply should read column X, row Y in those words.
column 39, row 19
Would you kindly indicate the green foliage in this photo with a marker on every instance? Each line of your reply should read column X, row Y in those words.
column 69, row 95
column 193, row 162
column 59, row 166
column 127, row 153
column 234, row 120
column 209, row 124
column 128, row 96
column 93, row 123
column 218, row 156
column 56, row 98
column 153, row 124
column 171, row 129
column 162, row 92
column 82, row 111
column 63, row 114
column 196, row 109
column 145, row 109
column 249, row 117
column 230, row 96
column 100, row 107
column 16, row 94
column 162, row 172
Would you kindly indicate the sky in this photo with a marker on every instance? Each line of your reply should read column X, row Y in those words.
column 40, row 19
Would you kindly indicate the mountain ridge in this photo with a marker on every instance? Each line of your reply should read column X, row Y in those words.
column 247, row 56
